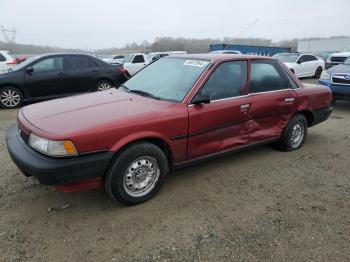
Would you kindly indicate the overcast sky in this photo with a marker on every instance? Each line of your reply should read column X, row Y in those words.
column 113, row 23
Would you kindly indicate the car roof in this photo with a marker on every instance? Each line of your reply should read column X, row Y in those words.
column 220, row 56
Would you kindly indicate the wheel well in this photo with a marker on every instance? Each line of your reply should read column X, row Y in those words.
column 156, row 141
column 308, row 115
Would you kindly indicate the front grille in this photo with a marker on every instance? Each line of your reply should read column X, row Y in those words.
column 338, row 59
column 341, row 79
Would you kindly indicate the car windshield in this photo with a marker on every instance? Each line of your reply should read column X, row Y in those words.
column 119, row 57
column 287, row 58
column 167, row 79
column 23, row 64
column 128, row 58
column 347, row 61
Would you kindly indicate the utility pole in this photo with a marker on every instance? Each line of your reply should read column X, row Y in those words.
column 9, row 36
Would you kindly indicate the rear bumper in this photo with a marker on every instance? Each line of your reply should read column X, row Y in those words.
column 322, row 114
column 54, row 171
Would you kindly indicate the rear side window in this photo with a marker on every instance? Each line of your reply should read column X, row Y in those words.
column 49, row 64
column 2, row 58
column 80, row 62
column 266, row 76
column 228, row 80
column 138, row 59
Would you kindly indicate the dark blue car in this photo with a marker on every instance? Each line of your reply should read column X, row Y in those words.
column 337, row 78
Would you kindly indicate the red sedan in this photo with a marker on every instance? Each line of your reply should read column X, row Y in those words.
column 176, row 111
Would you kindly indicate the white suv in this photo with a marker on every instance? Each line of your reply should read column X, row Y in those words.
column 5, row 59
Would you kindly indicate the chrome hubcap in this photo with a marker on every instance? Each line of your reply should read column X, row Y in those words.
column 104, row 86
column 141, row 176
column 10, row 98
column 297, row 135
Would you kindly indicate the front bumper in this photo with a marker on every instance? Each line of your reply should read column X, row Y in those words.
column 54, row 171
column 338, row 91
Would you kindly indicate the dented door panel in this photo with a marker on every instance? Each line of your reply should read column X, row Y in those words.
column 269, row 113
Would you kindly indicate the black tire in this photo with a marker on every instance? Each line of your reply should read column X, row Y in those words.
column 318, row 72
column 14, row 97
column 117, row 176
column 103, row 85
column 285, row 142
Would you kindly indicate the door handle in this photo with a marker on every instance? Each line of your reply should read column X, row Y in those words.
column 94, row 71
column 61, row 74
column 289, row 99
column 245, row 107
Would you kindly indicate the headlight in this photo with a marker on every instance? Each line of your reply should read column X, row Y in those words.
column 52, row 148
column 325, row 75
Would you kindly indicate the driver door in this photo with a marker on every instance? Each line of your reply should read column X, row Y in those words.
column 137, row 63
column 46, row 78
column 221, row 124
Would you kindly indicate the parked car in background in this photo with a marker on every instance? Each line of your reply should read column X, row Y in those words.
column 197, row 108
column 134, row 62
column 337, row 78
column 226, row 52
column 56, row 75
column 157, row 55
column 302, row 65
column 6, row 59
column 338, row 58
column 114, row 59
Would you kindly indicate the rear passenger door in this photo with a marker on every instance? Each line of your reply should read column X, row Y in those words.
column 81, row 73
column 272, row 100
column 221, row 124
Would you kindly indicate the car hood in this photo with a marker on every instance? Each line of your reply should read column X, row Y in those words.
column 341, row 54
column 86, row 113
column 339, row 69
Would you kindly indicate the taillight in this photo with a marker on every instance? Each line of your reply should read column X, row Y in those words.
column 122, row 70
column 13, row 62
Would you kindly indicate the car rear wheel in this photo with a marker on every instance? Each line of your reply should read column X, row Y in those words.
column 137, row 173
column 294, row 135
column 10, row 97
column 103, row 85
column 318, row 72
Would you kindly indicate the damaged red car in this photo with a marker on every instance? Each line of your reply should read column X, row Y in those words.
column 177, row 111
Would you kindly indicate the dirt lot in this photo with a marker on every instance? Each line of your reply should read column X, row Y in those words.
column 258, row 205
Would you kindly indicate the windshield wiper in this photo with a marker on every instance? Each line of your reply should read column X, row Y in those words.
column 143, row 93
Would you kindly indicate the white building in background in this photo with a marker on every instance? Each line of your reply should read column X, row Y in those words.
column 323, row 45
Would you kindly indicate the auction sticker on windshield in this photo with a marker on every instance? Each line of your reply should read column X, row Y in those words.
column 197, row 63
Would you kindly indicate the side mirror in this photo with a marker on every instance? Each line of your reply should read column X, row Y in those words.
column 30, row 70
column 299, row 62
column 201, row 99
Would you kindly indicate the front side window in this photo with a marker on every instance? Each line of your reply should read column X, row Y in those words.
column 266, row 76
column 228, row 80
column 167, row 79
column 2, row 58
column 49, row 64
column 138, row 59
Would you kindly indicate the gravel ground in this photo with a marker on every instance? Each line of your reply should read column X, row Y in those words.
column 257, row 205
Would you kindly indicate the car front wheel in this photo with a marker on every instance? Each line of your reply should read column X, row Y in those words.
column 294, row 135
column 10, row 97
column 137, row 173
